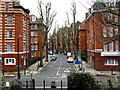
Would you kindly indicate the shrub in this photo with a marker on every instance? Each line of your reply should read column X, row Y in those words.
column 82, row 81
column 83, row 56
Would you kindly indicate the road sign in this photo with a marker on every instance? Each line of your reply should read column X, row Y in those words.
column 37, row 53
column 80, row 69
column 79, row 62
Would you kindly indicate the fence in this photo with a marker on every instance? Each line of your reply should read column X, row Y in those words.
column 109, row 84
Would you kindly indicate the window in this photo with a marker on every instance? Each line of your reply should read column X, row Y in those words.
column 10, row 21
column 105, row 46
column 111, row 62
column 33, row 18
column 32, row 26
column 35, row 26
column 32, row 54
column 109, row 16
column 104, row 32
column 32, row 33
column 23, row 23
column 24, row 47
column 111, row 46
column 24, row 60
column 9, row 34
column 116, row 31
column 110, row 31
column 116, row 45
column 9, row 47
column 10, row 61
column 90, row 58
column 36, row 40
column 24, row 35
column 6, row 6
column 36, row 33
column 36, row 47
column 32, row 40
column 32, row 47
column 116, row 18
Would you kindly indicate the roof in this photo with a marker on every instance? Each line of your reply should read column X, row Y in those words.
column 17, row 5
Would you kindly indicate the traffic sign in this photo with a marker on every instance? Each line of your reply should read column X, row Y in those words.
column 80, row 69
column 78, row 62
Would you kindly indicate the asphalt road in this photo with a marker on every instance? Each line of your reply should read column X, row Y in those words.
column 55, row 71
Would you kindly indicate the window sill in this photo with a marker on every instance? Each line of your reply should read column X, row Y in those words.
column 9, row 24
column 10, row 64
column 110, row 53
column 9, row 38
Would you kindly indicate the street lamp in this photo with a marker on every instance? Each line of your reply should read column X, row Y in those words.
column 18, row 56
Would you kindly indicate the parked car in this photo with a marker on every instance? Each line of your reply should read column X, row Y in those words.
column 50, row 52
column 53, row 57
column 69, row 54
column 70, row 59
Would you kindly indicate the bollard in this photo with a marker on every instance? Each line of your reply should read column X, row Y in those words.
column 26, row 85
column 44, row 84
column 33, row 81
column 61, row 84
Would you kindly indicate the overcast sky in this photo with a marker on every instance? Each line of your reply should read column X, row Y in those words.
column 61, row 7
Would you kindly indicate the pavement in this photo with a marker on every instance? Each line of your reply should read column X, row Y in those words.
column 87, row 68
column 32, row 70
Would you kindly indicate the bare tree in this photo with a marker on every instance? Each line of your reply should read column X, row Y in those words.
column 47, row 19
column 75, row 31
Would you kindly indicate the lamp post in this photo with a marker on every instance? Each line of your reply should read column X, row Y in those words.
column 18, row 56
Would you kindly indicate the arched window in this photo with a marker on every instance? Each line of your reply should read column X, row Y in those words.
column 111, row 62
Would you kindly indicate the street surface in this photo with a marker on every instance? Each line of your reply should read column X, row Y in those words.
column 54, row 71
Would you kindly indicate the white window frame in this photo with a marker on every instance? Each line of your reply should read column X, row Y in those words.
column 32, row 40
column 111, row 62
column 6, row 6
column 9, row 34
column 32, row 33
column 104, row 32
column 32, row 47
column 23, row 22
column 110, row 31
column 33, row 18
column 32, row 26
column 36, row 47
column 116, row 45
column 24, row 47
column 116, row 18
column 116, row 31
column 24, row 60
column 36, row 40
column 32, row 54
column 111, row 46
column 23, row 35
column 9, row 49
column 105, row 46
column 9, row 61
column 36, row 33
column 10, row 20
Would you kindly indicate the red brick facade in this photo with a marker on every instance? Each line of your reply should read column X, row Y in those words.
column 103, row 57
column 35, row 35
column 13, row 19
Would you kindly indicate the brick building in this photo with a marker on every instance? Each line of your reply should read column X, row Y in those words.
column 103, row 46
column 14, row 24
column 35, row 38
column 82, row 37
